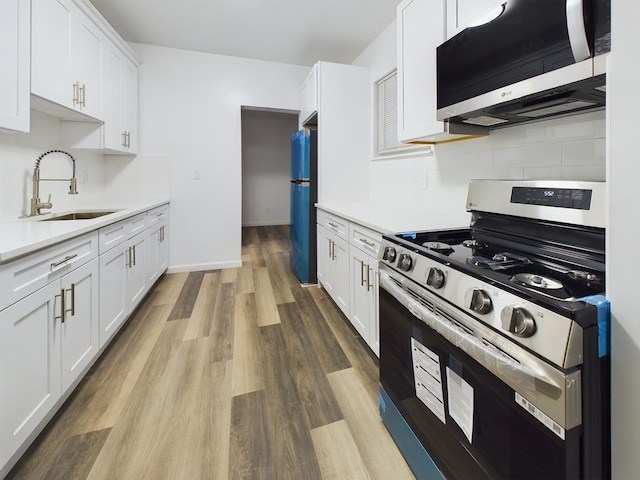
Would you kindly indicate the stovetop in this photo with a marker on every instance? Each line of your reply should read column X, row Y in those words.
column 472, row 253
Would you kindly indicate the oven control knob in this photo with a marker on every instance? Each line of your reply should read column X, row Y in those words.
column 389, row 254
column 405, row 262
column 435, row 278
column 518, row 321
column 478, row 300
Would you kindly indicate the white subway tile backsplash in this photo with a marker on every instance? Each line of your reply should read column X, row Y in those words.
column 570, row 148
column 590, row 152
column 578, row 127
column 540, row 155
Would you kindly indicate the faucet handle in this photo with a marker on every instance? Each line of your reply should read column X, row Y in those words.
column 73, row 187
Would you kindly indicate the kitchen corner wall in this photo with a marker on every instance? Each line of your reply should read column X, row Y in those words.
column 190, row 111
column 566, row 148
column 18, row 153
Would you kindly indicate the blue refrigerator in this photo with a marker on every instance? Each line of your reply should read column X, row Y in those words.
column 304, row 195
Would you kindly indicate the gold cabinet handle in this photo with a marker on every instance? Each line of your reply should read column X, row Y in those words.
column 130, row 259
column 84, row 95
column 333, row 225
column 76, row 94
column 62, row 307
column 368, row 243
column 64, row 260
column 134, row 255
column 362, row 265
column 369, row 271
column 124, row 139
column 73, row 300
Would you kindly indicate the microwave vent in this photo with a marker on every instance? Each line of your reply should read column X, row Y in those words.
column 485, row 121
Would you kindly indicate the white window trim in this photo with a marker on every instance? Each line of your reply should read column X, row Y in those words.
column 386, row 121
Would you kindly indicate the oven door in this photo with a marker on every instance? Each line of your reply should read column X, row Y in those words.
column 476, row 417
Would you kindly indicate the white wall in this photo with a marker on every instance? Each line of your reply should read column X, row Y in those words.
column 266, row 167
column 624, row 231
column 569, row 148
column 190, row 111
column 18, row 153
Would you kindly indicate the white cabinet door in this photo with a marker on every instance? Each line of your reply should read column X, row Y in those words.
column 15, row 58
column 341, row 269
column 333, row 264
column 121, row 102
column 364, row 297
column 66, row 57
column 129, row 105
column 136, row 279
column 79, row 334
column 113, row 137
column 323, row 254
column 163, row 249
column 51, row 22
column 360, row 293
column 114, row 305
column 309, row 96
column 420, row 31
column 462, row 13
column 30, row 338
column 86, row 65
column 156, row 252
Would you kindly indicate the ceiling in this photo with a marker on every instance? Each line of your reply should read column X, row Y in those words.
column 298, row 32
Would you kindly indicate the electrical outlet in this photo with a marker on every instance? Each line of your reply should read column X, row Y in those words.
column 422, row 181
column 196, row 174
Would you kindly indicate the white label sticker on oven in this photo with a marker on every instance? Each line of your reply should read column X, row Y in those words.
column 460, row 397
column 427, row 377
column 540, row 415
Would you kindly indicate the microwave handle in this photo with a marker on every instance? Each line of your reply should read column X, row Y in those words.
column 577, row 30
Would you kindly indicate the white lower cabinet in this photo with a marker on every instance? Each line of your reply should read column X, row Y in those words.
column 48, row 339
column 335, row 268
column 59, row 307
column 123, row 283
column 364, row 297
column 348, row 271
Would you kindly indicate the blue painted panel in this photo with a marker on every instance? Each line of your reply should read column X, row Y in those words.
column 300, row 151
column 414, row 453
column 299, row 231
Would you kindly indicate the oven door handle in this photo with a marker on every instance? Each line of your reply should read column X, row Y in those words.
column 483, row 350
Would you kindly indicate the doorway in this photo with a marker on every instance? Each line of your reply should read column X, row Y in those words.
column 266, row 156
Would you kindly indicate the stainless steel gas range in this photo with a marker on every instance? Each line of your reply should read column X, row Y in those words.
column 494, row 353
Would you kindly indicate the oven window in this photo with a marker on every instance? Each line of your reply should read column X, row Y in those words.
column 507, row 442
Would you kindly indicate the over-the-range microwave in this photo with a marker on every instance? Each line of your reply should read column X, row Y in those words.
column 530, row 60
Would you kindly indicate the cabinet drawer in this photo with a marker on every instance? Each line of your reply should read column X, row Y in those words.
column 27, row 274
column 118, row 232
column 336, row 225
column 365, row 239
column 157, row 215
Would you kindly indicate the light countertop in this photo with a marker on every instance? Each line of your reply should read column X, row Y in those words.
column 381, row 219
column 25, row 235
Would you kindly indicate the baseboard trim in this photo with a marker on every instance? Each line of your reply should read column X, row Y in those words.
column 198, row 267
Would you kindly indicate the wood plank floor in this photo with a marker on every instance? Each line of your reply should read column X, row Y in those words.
column 231, row 374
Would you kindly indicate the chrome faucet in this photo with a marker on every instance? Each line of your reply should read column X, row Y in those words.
column 36, row 204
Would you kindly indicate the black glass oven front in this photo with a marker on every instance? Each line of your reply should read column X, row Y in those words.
column 507, row 441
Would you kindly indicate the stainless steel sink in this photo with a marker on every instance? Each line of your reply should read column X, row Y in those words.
column 78, row 216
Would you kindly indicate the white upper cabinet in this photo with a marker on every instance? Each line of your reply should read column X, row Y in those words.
column 15, row 41
column 309, row 96
column 50, row 51
column 420, row 31
column 462, row 13
column 66, row 57
column 87, row 49
column 121, row 102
